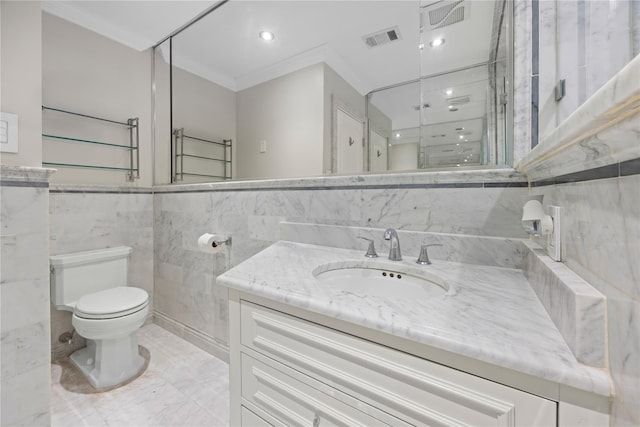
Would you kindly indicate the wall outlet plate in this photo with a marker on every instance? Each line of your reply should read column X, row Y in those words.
column 554, row 242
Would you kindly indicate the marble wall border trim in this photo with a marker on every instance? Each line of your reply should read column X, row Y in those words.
column 616, row 170
column 354, row 187
column 31, row 184
column 65, row 191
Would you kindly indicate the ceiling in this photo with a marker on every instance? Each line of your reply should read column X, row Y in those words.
column 224, row 46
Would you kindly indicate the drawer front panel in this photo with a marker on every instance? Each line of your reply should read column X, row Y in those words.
column 295, row 403
column 249, row 419
column 413, row 389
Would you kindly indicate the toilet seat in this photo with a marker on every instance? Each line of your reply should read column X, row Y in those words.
column 111, row 303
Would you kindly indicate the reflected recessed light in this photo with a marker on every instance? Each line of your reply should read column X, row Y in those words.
column 421, row 46
column 458, row 165
column 449, row 92
column 461, row 136
column 266, row 35
column 436, row 42
column 398, row 135
column 458, row 143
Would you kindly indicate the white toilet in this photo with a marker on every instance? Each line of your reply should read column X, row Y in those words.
column 107, row 312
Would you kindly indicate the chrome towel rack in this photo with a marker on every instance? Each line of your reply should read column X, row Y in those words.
column 133, row 146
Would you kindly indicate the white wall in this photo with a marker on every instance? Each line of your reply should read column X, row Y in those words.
column 90, row 74
column 337, row 90
column 287, row 113
column 21, row 77
column 204, row 109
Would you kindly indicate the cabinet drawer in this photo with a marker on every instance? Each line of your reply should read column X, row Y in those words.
column 249, row 419
column 294, row 402
column 410, row 388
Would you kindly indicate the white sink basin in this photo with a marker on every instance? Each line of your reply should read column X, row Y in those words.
column 381, row 282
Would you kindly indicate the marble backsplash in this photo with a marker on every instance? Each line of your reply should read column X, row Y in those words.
column 577, row 309
column 465, row 248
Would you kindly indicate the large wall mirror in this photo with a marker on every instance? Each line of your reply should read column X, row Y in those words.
column 342, row 87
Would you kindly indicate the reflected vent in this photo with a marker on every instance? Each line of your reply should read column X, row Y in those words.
column 460, row 100
column 445, row 13
column 382, row 37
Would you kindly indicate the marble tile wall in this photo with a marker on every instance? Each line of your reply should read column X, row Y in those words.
column 24, row 296
column 87, row 218
column 584, row 42
column 522, row 77
column 185, row 288
column 602, row 231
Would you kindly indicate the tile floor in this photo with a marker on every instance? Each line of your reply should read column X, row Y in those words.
column 183, row 386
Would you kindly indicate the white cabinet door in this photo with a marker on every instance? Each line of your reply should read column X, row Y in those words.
column 412, row 389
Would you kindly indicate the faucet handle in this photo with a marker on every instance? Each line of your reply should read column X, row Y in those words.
column 371, row 250
column 423, row 258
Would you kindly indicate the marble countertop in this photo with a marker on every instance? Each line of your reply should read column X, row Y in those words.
column 489, row 314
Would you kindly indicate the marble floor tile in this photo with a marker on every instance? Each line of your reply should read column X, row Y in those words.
column 183, row 386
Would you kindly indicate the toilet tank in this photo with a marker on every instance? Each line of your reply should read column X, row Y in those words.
column 76, row 274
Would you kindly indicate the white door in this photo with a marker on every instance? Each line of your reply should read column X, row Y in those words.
column 378, row 153
column 349, row 140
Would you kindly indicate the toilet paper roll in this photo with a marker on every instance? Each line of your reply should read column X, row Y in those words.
column 211, row 243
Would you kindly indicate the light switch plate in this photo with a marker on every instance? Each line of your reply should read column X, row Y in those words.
column 263, row 146
column 8, row 133
column 554, row 242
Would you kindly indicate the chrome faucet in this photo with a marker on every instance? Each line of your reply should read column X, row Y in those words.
column 394, row 249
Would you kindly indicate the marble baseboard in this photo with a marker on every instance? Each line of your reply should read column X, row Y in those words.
column 577, row 309
column 468, row 249
column 195, row 337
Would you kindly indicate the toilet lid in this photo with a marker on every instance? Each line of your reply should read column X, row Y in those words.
column 110, row 303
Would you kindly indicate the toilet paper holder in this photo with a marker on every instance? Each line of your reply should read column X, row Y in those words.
column 208, row 242
column 219, row 239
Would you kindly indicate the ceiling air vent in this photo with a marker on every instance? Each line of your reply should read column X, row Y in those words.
column 459, row 100
column 447, row 12
column 382, row 37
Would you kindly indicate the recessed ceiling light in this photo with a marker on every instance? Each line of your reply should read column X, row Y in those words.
column 436, row 42
column 398, row 135
column 266, row 35
column 461, row 136
column 449, row 92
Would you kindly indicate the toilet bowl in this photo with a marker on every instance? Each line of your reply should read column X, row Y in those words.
column 106, row 312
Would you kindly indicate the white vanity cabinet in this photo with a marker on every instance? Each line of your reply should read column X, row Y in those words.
column 289, row 371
